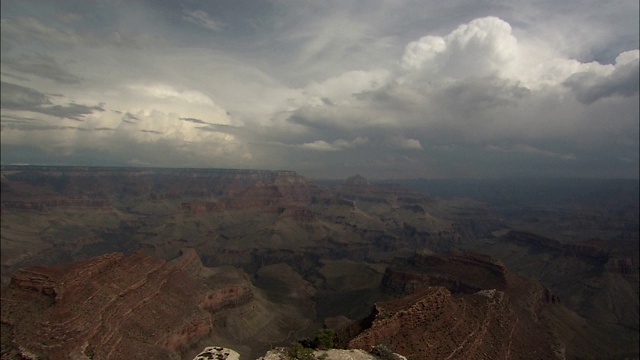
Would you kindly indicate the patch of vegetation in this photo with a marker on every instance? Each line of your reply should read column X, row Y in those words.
column 323, row 339
column 300, row 352
column 303, row 349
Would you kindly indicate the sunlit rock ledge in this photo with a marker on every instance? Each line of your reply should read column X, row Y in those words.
column 217, row 353
column 330, row 354
column 221, row 353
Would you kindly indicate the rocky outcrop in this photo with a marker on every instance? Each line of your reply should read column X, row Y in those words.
column 458, row 306
column 217, row 353
column 297, row 213
column 122, row 307
column 458, row 272
column 357, row 188
column 584, row 252
column 111, row 306
column 50, row 281
column 330, row 354
column 484, row 262
column 433, row 323
column 229, row 296
column 82, row 186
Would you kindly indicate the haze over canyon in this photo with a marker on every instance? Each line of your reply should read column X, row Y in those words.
column 135, row 262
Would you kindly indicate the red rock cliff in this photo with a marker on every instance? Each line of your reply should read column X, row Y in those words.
column 111, row 306
column 435, row 324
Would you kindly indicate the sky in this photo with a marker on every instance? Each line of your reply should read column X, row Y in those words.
column 382, row 88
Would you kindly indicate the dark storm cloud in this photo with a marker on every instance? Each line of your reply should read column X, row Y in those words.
column 18, row 119
column 130, row 118
column 328, row 101
column 194, row 120
column 21, row 98
column 216, row 128
column 30, row 124
column 36, row 127
column 70, row 111
column 18, row 97
column 43, row 66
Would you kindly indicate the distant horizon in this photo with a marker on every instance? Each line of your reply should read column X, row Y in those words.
column 373, row 179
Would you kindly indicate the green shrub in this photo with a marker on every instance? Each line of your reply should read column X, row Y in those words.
column 323, row 339
column 299, row 352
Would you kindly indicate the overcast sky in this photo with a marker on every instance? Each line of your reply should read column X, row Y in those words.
column 386, row 89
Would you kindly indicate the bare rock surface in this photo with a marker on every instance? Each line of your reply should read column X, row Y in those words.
column 435, row 324
column 132, row 307
column 217, row 353
column 331, row 354
column 107, row 307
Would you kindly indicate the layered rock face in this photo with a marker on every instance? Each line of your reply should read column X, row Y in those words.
column 79, row 186
column 588, row 253
column 233, row 217
column 457, row 306
column 119, row 307
column 459, row 272
column 58, row 214
column 358, row 189
column 435, row 324
column 107, row 307
column 596, row 279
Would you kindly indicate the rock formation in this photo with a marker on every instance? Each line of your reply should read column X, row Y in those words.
column 330, row 354
column 282, row 254
column 583, row 278
column 459, row 272
column 217, row 353
column 433, row 323
column 106, row 307
column 117, row 306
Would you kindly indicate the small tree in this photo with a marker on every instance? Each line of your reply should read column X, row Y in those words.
column 299, row 352
column 323, row 338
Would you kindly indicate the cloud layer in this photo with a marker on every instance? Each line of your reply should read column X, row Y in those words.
column 397, row 89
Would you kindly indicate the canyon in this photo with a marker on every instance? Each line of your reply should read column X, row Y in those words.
column 104, row 262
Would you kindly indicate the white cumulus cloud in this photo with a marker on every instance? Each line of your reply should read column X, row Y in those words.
column 337, row 145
